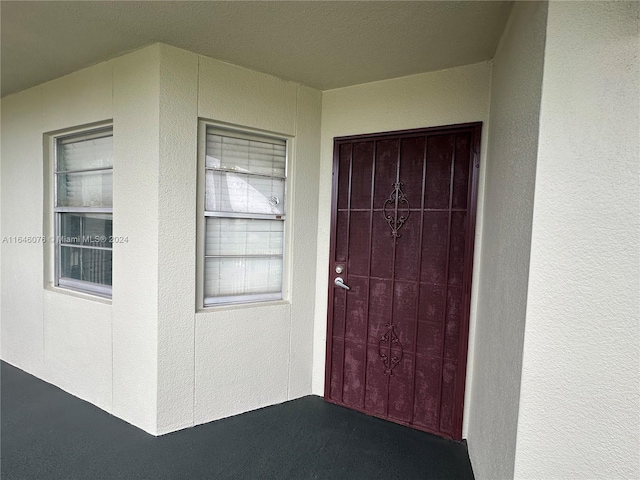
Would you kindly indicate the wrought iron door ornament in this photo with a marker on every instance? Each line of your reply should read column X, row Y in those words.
column 390, row 340
column 400, row 213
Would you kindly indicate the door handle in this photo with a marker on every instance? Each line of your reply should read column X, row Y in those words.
column 339, row 282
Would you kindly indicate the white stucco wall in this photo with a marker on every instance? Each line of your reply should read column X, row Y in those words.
column 456, row 95
column 104, row 352
column 250, row 356
column 22, row 281
column 0, row 223
column 64, row 339
column 149, row 356
column 135, row 215
column 177, row 230
column 516, row 86
column 579, row 416
column 154, row 359
column 77, row 332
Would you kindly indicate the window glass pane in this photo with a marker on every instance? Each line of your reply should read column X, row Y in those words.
column 244, row 174
column 89, row 189
column 239, row 193
column 242, row 155
column 83, row 153
column 243, row 236
column 241, row 276
column 86, row 264
column 94, row 229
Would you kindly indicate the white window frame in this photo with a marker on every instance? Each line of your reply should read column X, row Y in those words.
column 81, row 286
column 249, row 299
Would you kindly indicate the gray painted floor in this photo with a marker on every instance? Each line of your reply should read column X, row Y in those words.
column 49, row 434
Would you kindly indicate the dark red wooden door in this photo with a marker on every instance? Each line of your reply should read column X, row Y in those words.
column 402, row 241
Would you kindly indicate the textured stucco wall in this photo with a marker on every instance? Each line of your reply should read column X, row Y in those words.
column 149, row 356
column 516, row 87
column 579, row 416
column 456, row 95
column 22, row 176
column 102, row 351
column 177, row 230
column 135, row 215
column 220, row 361
column 304, row 211
column 77, row 332
column 63, row 339
column 250, row 356
column 1, row 133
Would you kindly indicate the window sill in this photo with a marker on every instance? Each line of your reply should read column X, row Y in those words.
column 78, row 294
column 241, row 306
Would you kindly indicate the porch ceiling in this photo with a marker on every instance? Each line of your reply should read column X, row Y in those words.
column 322, row 44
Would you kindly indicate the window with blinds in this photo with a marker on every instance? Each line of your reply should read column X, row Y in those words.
column 244, row 208
column 83, row 211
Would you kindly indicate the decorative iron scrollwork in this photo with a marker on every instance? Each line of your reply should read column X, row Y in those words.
column 400, row 213
column 390, row 340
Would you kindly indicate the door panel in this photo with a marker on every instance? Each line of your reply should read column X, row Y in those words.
column 361, row 175
column 403, row 221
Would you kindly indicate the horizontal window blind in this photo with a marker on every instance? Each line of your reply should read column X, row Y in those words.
column 80, row 153
column 241, row 276
column 245, row 188
column 252, row 154
column 230, row 192
column 86, row 189
column 240, row 236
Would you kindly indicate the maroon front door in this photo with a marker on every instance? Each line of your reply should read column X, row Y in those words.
column 403, row 220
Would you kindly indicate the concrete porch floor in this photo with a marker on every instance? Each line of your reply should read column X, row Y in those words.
column 47, row 433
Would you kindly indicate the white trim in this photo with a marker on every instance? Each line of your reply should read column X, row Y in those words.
column 235, row 299
column 83, row 210
column 87, row 247
column 257, row 216
column 84, row 135
column 83, row 170
column 241, row 135
column 218, row 128
column 253, row 174
column 261, row 255
column 85, row 287
column 200, row 217
column 89, row 132
column 243, row 130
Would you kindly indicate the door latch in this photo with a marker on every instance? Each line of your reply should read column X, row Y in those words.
column 339, row 282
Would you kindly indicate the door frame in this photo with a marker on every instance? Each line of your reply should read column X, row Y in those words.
column 475, row 128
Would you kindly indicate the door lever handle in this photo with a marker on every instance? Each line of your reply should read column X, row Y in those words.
column 339, row 282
